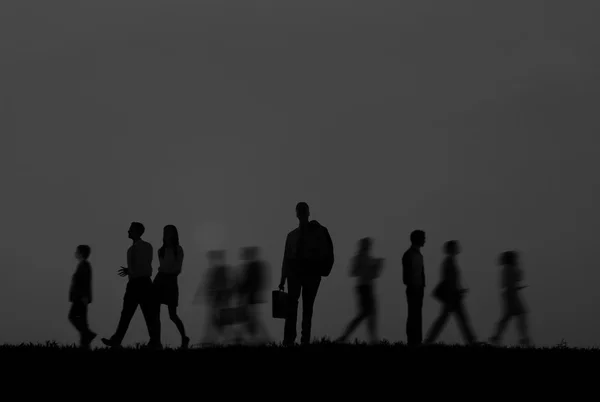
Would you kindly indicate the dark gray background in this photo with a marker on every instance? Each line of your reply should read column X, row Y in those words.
column 472, row 120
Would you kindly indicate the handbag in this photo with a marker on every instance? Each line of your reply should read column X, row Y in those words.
column 280, row 303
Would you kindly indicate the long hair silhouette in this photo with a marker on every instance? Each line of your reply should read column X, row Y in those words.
column 174, row 240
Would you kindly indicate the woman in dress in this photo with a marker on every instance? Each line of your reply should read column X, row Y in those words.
column 166, row 289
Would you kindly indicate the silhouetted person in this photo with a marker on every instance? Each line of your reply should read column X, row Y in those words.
column 219, row 292
column 250, row 289
column 139, row 288
column 512, row 275
column 413, row 276
column 451, row 294
column 165, row 287
column 301, row 269
column 365, row 268
column 80, row 296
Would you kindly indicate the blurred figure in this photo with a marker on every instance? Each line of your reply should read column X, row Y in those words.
column 165, row 287
column 413, row 276
column 139, row 289
column 80, row 296
column 365, row 268
column 219, row 291
column 307, row 256
column 250, row 290
column 451, row 294
column 512, row 275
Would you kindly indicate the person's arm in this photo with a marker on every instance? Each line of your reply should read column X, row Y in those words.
column 285, row 263
column 179, row 263
column 124, row 271
column 150, row 256
column 87, row 284
column 405, row 270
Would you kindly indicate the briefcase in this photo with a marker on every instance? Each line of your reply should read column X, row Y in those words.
column 280, row 301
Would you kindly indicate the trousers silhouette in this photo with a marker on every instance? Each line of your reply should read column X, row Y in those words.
column 138, row 293
column 513, row 308
column 414, row 321
column 78, row 316
column 307, row 285
column 367, row 310
column 456, row 308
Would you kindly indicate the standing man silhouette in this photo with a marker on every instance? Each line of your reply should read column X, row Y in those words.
column 301, row 269
column 139, row 289
column 413, row 275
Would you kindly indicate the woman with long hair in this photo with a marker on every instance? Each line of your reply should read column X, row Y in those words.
column 166, row 289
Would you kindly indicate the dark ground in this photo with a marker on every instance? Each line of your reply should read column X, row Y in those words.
column 320, row 370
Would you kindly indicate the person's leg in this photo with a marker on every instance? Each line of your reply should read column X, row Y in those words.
column 414, row 322
column 294, row 289
column 211, row 324
column 362, row 313
column 523, row 330
column 371, row 309
column 151, row 311
column 409, row 317
column 464, row 324
column 419, row 315
column 500, row 327
column 179, row 324
column 130, row 304
column 438, row 324
column 76, row 317
column 310, row 287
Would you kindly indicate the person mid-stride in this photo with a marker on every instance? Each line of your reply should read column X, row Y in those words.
column 512, row 275
column 451, row 294
column 165, row 286
column 139, row 289
column 365, row 268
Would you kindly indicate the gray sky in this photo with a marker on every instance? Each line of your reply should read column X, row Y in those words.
column 471, row 120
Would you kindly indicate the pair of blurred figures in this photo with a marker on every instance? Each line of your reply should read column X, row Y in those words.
column 234, row 296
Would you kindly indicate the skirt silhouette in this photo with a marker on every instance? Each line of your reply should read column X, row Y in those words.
column 165, row 289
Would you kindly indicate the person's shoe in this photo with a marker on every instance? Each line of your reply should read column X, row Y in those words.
column 493, row 341
column 111, row 343
column 185, row 342
column 155, row 346
column 89, row 338
column 525, row 343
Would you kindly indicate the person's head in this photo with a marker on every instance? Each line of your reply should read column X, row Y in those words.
column 364, row 245
column 82, row 252
column 302, row 212
column 216, row 257
column 170, row 240
column 249, row 253
column 509, row 258
column 136, row 230
column 452, row 247
column 170, row 236
column 417, row 238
